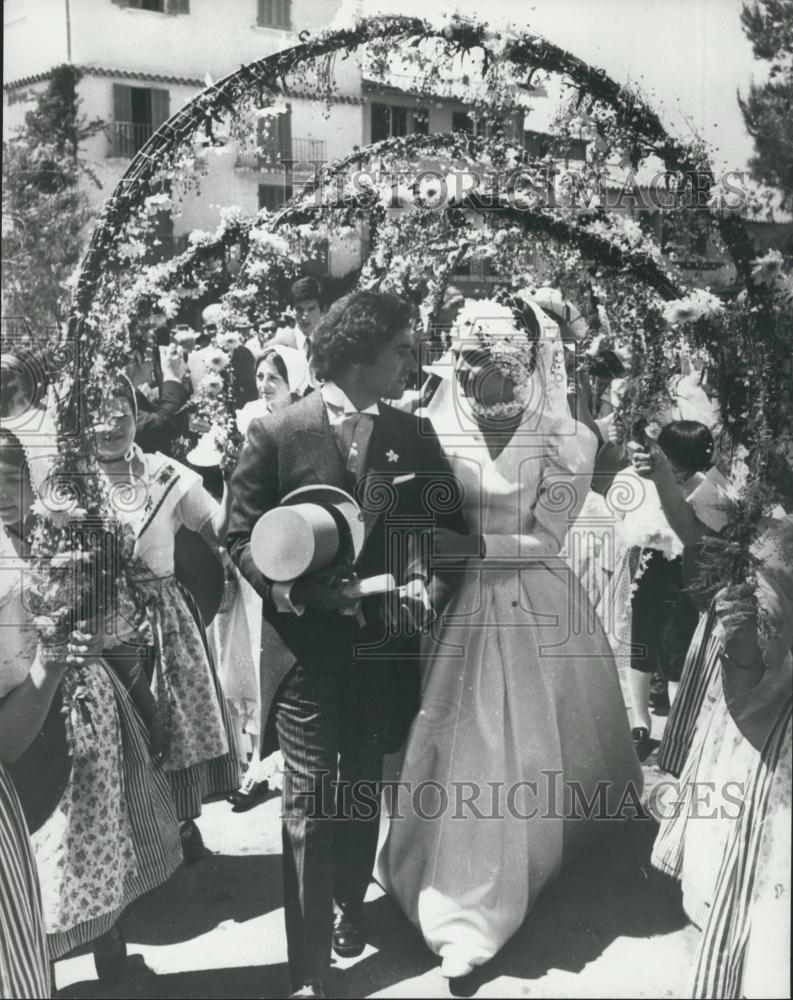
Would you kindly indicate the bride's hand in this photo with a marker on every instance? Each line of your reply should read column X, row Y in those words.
column 451, row 543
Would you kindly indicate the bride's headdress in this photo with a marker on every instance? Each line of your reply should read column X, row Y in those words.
column 524, row 343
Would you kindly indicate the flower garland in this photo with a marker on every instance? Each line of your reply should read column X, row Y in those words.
column 588, row 255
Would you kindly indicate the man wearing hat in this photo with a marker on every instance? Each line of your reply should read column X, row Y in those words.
column 350, row 669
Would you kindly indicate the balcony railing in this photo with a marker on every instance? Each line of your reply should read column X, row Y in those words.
column 302, row 157
column 126, row 138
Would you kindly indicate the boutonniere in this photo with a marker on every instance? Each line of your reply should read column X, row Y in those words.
column 391, row 455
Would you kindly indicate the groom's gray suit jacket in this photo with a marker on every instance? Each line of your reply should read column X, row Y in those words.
column 408, row 488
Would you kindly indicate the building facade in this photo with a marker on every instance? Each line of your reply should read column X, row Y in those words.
column 143, row 60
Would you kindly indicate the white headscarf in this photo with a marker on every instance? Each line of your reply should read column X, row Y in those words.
column 297, row 374
column 297, row 377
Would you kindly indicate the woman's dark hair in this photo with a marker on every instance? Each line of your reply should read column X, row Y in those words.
column 606, row 364
column 280, row 365
column 123, row 388
column 355, row 329
column 687, row 443
column 526, row 320
column 29, row 369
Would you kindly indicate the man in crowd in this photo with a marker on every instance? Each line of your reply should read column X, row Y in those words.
column 309, row 306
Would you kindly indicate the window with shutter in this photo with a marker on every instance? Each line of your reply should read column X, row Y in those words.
column 421, row 121
column 461, row 122
column 381, row 122
column 399, row 120
column 284, row 135
column 393, row 120
column 160, row 107
column 274, row 14
column 275, row 138
column 137, row 114
column 121, row 143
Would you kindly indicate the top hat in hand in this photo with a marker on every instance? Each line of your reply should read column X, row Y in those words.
column 313, row 528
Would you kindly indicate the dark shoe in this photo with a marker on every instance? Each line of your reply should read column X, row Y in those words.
column 659, row 694
column 110, row 955
column 248, row 794
column 309, row 990
column 641, row 741
column 348, row 935
column 192, row 842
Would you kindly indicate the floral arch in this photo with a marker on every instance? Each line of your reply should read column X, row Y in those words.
column 416, row 245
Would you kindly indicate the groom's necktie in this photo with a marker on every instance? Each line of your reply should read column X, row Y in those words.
column 356, row 432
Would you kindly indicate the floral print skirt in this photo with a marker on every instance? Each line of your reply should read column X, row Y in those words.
column 200, row 757
column 114, row 835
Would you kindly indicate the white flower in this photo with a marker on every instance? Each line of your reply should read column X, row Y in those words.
column 258, row 268
column 272, row 241
column 727, row 198
column 229, row 214
column 217, row 359
column 444, row 22
column 228, row 341
column 212, row 384
column 199, row 237
column 432, row 191
column 391, row 455
column 487, row 319
column 699, row 304
column 631, row 230
column 131, row 249
column 158, row 203
column 346, row 18
column 768, row 268
column 497, row 36
column 169, row 304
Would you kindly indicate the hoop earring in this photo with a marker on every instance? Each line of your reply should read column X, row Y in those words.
column 129, row 454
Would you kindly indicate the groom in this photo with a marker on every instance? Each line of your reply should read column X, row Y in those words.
column 351, row 680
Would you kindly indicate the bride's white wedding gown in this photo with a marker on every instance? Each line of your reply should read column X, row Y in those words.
column 520, row 700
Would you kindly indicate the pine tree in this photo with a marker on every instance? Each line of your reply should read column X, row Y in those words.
column 768, row 108
column 45, row 211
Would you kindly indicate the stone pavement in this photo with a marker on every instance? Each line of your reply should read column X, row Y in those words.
column 609, row 926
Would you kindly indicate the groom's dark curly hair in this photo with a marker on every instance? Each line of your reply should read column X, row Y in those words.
column 355, row 329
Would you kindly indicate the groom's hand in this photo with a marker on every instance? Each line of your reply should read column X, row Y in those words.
column 413, row 601
column 323, row 591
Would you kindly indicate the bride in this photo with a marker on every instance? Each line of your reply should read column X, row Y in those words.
column 522, row 724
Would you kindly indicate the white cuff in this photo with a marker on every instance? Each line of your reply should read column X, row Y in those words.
column 283, row 601
column 604, row 425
